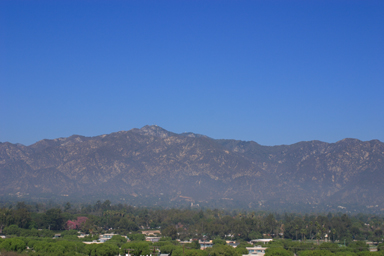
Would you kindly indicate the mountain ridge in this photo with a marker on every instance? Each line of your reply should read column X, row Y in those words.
column 150, row 161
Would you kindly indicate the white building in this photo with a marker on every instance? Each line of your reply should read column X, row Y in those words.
column 261, row 241
column 256, row 251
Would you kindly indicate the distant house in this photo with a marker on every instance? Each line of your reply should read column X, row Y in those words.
column 205, row 244
column 81, row 235
column 151, row 232
column 107, row 236
column 234, row 244
column 184, row 242
column 103, row 238
column 261, row 241
column 152, row 239
column 256, row 251
column 93, row 242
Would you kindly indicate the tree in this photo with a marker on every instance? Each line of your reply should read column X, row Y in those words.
column 107, row 250
column 170, row 231
column 357, row 246
column 219, row 241
column 310, row 225
column 296, row 228
column 222, row 250
column 67, row 206
column 106, row 205
column 53, row 219
column 303, row 232
column 318, row 230
column 22, row 217
column 195, row 245
column 254, row 235
column 103, row 249
column 332, row 247
column 355, row 231
column 13, row 244
column 136, row 237
column 89, row 225
column 334, row 234
column 136, row 248
column 118, row 240
column 69, row 233
column 127, row 224
column 270, row 223
column 315, row 253
column 12, row 230
column 277, row 252
column 189, row 253
column 168, row 248
column 241, row 250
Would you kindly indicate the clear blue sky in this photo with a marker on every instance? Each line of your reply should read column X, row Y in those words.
column 275, row 72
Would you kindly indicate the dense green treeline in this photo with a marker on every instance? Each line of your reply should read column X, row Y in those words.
column 33, row 226
column 118, row 245
column 289, row 247
column 190, row 223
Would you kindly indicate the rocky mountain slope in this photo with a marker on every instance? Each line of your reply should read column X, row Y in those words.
column 157, row 165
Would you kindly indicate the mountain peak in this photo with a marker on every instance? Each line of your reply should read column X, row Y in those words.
column 154, row 130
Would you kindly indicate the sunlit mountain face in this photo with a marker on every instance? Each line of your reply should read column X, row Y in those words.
column 152, row 166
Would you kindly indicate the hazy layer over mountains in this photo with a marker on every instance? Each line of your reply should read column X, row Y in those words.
column 155, row 166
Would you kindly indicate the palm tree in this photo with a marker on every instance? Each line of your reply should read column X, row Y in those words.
column 297, row 228
column 333, row 234
column 310, row 224
column 303, row 231
column 323, row 230
column 318, row 236
column 318, row 230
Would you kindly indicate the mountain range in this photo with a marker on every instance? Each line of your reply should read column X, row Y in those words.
column 153, row 166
